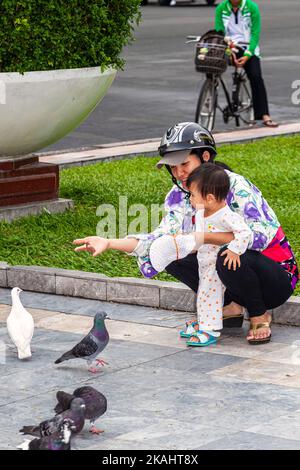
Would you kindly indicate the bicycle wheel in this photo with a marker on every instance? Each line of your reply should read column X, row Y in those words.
column 245, row 104
column 207, row 104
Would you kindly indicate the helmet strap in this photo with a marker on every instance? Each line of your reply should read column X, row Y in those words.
column 187, row 193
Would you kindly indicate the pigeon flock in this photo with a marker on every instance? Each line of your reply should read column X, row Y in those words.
column 71, row 410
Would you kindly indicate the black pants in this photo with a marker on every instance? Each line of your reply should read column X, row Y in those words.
column 259, row 93
column 260, row 283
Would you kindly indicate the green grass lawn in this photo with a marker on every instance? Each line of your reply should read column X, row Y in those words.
column 271, row 164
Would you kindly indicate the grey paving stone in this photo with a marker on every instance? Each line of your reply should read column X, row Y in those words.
column 119, row 355
column 287, row 427
column 226, row 403
column 192, row 360
column 151, row 389
column 47, row 346
column 251, row 441
column 163, row 433
column 31, row 278
column 116, row 311
column 86, row 288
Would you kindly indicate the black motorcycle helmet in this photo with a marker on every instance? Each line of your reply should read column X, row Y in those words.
column 181, row 140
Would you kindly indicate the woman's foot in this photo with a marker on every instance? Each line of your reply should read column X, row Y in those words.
column 267, row 121
column 233, row 316
column 262, row 333
column 232, row 309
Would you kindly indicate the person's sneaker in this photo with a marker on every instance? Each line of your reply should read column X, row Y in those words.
column 168, row 248
column 172, row 3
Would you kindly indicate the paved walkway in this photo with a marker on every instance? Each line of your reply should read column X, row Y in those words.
column 149, row 147
column 161, row 394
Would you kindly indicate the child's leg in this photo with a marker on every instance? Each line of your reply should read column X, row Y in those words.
column 210, row 295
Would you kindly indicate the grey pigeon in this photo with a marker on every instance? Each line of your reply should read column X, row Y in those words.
column 95, row 404
column 91, row 345
column 60, row 440
column 75, row 413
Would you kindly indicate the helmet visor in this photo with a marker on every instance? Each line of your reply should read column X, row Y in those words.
column 173, row 158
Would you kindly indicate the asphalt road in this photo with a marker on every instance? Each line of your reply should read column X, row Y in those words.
column 159, row 85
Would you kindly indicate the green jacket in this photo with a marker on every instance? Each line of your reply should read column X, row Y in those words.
column 251, row 23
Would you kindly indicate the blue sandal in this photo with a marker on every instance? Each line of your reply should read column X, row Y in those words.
column 190, row 330
column 203, row 339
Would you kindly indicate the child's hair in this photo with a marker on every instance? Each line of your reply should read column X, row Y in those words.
column 210, row 179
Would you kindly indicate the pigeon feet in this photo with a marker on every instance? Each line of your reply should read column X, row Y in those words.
column 95, row 430
column 101, row 362
column 94, row 370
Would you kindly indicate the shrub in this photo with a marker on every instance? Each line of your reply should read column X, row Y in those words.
column 62, row 34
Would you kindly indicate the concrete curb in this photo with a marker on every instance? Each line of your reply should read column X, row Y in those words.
column 134, row 291
column 132, row 149
column 10, row 213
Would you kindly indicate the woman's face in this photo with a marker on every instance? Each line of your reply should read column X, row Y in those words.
column 182, row 172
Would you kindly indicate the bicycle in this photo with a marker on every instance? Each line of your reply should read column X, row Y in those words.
column 239, row 105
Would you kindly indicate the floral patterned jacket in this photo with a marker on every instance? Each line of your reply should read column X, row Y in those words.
column 243, row 198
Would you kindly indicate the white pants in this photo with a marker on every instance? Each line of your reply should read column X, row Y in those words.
column 210, row 291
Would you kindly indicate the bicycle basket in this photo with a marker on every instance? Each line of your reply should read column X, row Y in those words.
column 211, row 53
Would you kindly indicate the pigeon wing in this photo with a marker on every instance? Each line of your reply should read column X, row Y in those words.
column 86, row 348
column 64, row 401
column 95, row 401
column 50, row 426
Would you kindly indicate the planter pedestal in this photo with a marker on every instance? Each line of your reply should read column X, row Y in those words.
column 29, row 187
column 25, row 179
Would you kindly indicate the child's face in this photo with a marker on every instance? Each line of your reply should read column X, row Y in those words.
column 196, row 198
column 199, row 202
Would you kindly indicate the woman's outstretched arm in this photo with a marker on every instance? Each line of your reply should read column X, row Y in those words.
column 97, row 245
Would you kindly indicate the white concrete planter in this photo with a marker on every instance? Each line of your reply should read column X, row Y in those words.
column 39, row 108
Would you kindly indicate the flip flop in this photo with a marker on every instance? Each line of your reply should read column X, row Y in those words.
column 203, row 339
column 233, row 321
column 270, row 123
column 256, row 327
column 190, row 330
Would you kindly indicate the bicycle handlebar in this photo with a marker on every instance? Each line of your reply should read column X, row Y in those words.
column 233, row 45
column 193, row 39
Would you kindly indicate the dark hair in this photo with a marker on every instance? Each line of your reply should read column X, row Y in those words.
column 210, row 179
column 199, row 154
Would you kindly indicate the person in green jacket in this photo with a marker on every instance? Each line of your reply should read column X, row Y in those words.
column 241, row 21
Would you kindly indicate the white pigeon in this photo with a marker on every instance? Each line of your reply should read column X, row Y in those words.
column 20, row 325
